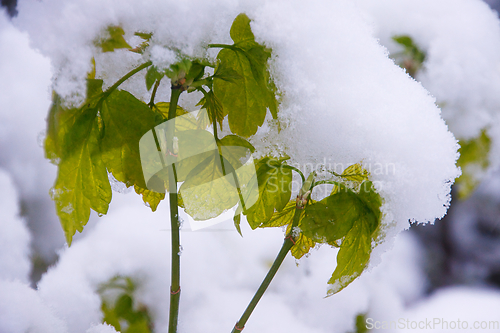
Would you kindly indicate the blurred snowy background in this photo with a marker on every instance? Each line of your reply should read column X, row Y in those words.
column 448, row 270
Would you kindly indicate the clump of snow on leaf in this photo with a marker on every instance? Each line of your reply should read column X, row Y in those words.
column 461, row 40
column 344, row 101
column 67, row 32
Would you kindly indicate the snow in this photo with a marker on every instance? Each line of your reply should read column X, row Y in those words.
column 25, row 98
column 452, row 309
column 461, row 70
column 15, row 237
column 101, row 328
column 220, row 273
column 348, row 103
column 344, row 102
column 22, row 310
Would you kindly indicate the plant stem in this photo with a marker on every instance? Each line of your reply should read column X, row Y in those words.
column 287, row 245
column 175, row 287
column 121, row 80
column 155, row 136
column 127, row 76
column 328, row 182
column 222, row 46
column 174, row 211
column 285, row 166
column 153, row 94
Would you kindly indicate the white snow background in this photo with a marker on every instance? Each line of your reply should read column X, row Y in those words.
column 344, row 99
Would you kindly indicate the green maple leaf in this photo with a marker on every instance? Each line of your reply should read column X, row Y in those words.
column 114, row 40
column 351, row 219
column 474, row 159
column 246, row 92
column 73, row 143
column 274, row 183
column 215, row 184
column 126, row 119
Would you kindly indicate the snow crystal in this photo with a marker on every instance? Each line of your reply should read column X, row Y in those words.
column 162, row 57
column 67, row 209
column 40, row 139
column 296, row 232
column 118, row 186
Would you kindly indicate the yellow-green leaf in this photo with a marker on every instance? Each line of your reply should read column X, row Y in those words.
column 114, row 40
column 65, row 132
column 73, row 143
column 473, row 160
column 91, row 74
column 351, row 218
column 126, row 120
column 412, row 56
column 237, row 220
column 248, row 93
column 355, row 173
column 243, row 99
column 352, row 258
column 82, row 183
column 302, row 246
column 284, row 217
column 221, row 173
column 162, row 108
column 207, row 191
column 240, row 29
column 214, row 111
column 152, row 75
column 274, row 191
column 150, row 198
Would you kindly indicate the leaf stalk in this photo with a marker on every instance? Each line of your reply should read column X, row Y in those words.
column 125, row 78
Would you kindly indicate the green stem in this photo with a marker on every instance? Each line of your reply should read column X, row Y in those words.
column 286, row 166
column 125, row 78
column 120, row 81
column 225, row 163
column 329, row 182
column 174, row 211
column 155, row 136
column 175, row 287
column 222, row 46
column 153, row 94
column 287, row 245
